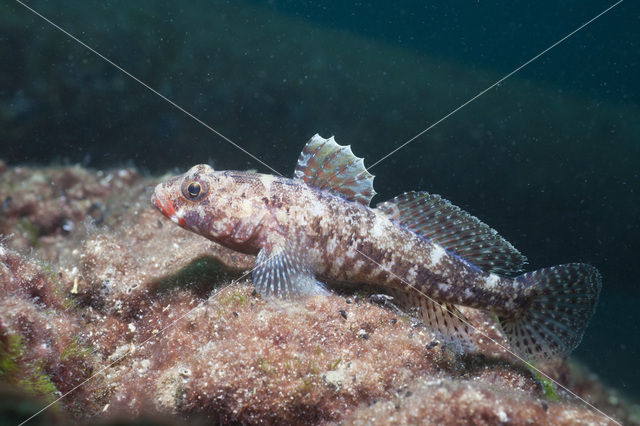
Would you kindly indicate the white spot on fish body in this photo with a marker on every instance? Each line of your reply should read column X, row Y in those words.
column 379, row 229
column 332, row 245
column 245, row 209
column 491, row 281
column 357, row 266
column 318, row 209
column 412, row 274
column 351, row 251
column 436, row 255
column 282, row 217
column 337, row 263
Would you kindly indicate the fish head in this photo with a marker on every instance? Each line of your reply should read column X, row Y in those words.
column 222, row 206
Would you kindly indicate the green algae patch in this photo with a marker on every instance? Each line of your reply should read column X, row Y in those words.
column 59, row 291
column 335, row 364
column 549, row 390
column 38, row 382
column 234, row 299
column 30, row 230
column 265, row 366
column 16, row 369
column 75, row 350
column 305, row 387
column 11, row 350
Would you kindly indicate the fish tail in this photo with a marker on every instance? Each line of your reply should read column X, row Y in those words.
column 562, row 301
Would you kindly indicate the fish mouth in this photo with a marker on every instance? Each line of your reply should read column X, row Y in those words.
column 163, row 205
column 167, row 208
column 156, row 202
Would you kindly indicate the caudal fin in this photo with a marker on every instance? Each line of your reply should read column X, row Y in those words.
column 563, row 299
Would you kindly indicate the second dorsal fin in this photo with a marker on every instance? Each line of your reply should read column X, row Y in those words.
column 435, row 218
column 323, row 164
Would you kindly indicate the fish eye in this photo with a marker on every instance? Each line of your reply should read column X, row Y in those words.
column 193, row 190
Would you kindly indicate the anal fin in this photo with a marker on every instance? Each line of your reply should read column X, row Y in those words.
column 444, row 319
column 285, row 272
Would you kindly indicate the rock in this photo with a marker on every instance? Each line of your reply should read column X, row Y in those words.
column 148, row 319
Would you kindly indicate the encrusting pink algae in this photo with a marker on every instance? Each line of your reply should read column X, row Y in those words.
column 140, row 319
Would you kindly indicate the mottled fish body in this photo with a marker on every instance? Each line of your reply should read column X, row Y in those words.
column 319, row 226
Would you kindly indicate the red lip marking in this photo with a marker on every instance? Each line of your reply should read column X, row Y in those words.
column 167, row 209
column 164, row 206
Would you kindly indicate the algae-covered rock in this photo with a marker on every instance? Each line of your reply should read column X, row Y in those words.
column 129, row 316
column 523, row 153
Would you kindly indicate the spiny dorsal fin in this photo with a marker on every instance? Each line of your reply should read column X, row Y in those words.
column 323, row 164
column 435, row 218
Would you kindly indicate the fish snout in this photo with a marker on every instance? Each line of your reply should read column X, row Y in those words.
column 164, row 204
column 156, row 202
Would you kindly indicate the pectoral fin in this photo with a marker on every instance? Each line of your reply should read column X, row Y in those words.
column 284, row 271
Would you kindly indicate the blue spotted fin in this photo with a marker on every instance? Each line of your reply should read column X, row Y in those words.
column 284, row 271
column 444, row 319
column 436, row 219
column 563, row 299
column 325, row 165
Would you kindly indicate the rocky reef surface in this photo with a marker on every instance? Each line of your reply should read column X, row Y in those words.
column 522, row 152
column 128, row 316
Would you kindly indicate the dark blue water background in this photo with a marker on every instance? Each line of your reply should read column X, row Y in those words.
column 499, row 36
column 550, row 158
